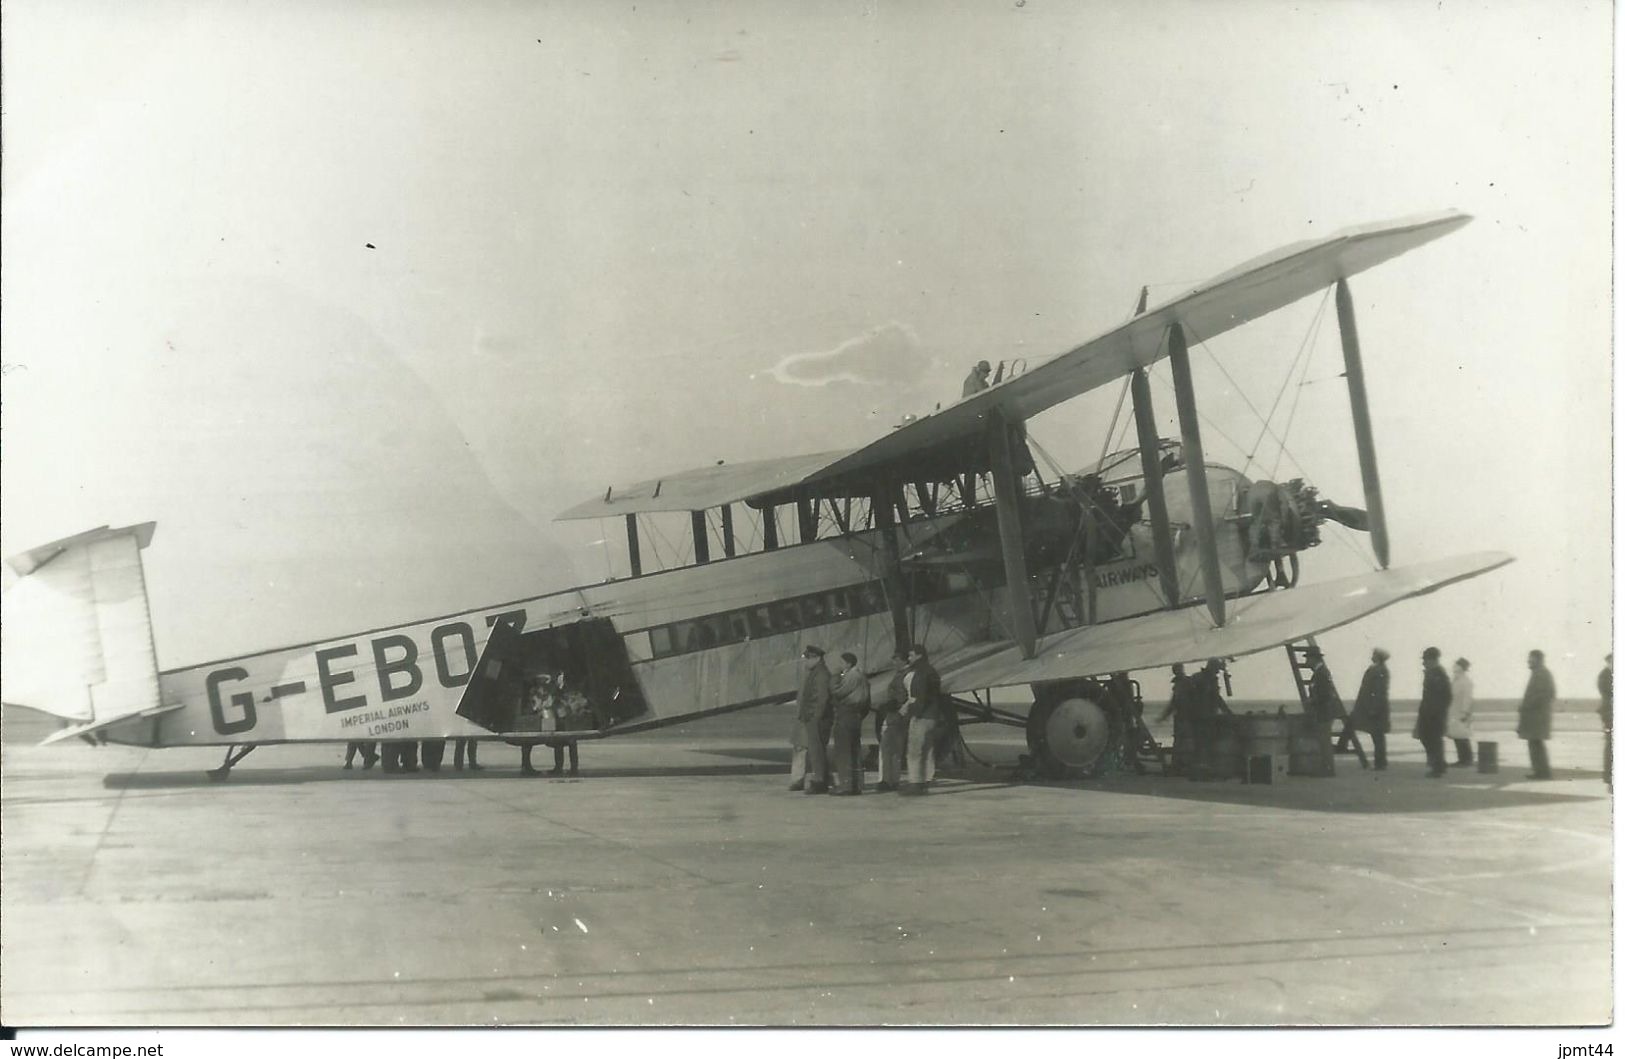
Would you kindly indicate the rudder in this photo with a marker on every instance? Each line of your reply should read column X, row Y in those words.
column 76, row 641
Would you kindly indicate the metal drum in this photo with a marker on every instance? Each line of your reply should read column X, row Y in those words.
column 1310, row 754
column 1223, row 753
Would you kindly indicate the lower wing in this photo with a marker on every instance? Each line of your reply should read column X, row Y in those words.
column 1260, row 622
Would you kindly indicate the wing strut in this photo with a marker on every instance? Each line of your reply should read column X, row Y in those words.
column 634, row 554
column 884, row 506
column 1196, row 472
column 1151, row 465
column 1362, row 423
column 702, row 539
column 1007, row 497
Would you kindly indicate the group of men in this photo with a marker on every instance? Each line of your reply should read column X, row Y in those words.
column 1193, row 702
column 827, row 738
column 1447, row 706
column 401, row 755
column 546, row 705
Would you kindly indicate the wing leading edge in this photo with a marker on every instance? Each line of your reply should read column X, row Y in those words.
column 1260, row 622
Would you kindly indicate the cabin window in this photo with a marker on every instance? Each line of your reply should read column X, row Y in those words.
column 786, row 615
column 814, row 610
column 699, row 635
column 792, row 615
column 761, row 622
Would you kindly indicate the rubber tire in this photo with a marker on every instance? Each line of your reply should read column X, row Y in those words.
column 1066, row 765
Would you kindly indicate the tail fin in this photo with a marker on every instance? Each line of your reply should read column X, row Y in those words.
column 76, row 641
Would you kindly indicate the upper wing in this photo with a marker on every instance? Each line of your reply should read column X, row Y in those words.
column 1246, row 292
column 1260, row 622
column 1227, row 301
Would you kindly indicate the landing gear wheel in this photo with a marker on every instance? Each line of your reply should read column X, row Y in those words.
column 1074, row 730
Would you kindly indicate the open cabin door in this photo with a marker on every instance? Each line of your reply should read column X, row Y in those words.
column 568, row 678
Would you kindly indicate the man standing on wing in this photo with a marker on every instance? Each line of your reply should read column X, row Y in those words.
column 976, row 381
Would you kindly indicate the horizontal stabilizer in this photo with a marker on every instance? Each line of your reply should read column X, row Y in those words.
column 90, row 727
column 1260, row 622
column 77, row 639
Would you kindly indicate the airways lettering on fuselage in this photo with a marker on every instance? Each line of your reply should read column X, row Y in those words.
column 395, row 656
column 1111, row 578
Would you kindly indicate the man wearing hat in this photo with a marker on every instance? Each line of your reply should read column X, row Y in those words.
column 1326, row 709
column 815, row 721
column 1370, row 713
column 976, row 381
column 1434, row 713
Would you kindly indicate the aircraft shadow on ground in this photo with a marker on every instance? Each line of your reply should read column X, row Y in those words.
column 1356, row 791
column 250, row 776
column 1402, row 789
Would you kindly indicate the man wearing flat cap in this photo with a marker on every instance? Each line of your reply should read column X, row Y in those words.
column 976, row 381
column 1434, row 713
column 815, row 721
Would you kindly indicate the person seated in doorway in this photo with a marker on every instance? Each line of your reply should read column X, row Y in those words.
column 572, row 713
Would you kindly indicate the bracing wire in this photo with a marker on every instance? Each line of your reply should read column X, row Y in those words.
column 1308, row 343
column 1292, row 412
column 1106, row 442
column 1202, row 418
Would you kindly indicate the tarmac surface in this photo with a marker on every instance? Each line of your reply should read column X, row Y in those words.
column 678, row 882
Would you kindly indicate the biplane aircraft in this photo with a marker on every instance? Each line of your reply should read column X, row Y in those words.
column 943, row 532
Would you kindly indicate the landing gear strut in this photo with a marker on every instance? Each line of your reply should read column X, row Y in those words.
column 1074, row 728
column 234, row 754
column 1282, row 571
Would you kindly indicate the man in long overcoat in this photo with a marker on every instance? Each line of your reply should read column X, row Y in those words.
column 1370, row 712
column 1434, row 713
column 1182, row 707
column 814, row 716
column 1535, row 715
column 1326, row 707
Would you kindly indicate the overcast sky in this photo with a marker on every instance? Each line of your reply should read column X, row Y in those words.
column 601, row 233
